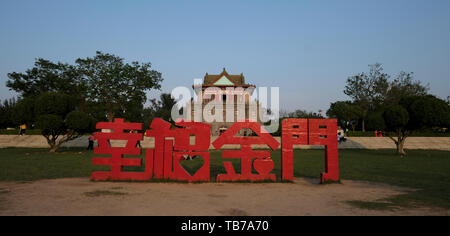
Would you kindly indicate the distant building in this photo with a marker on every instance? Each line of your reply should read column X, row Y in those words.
column 229, row 92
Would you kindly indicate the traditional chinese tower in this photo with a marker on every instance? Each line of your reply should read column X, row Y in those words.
column 226, row 88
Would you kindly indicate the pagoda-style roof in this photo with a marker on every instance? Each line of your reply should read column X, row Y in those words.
column 225, row 80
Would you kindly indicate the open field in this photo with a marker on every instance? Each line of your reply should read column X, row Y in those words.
column 372, row 143
column 374, row 183
column 78, row 196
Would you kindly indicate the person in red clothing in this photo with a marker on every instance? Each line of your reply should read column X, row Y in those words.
column 91, row 142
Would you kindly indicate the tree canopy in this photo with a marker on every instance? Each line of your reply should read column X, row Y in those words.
column 6, row 113
column 398, row 106
column 413, row 113
column 116, row 84
column 47, row 76
column 161, row 108
column 346, row 112
column 374, row 91
column 58, row 120
column 102, row 86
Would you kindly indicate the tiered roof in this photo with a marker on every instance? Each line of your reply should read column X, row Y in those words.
column 236, row 80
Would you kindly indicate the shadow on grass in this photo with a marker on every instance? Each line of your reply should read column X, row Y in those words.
column 403, row 201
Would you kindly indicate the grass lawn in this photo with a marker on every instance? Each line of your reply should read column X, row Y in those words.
column 426, row 170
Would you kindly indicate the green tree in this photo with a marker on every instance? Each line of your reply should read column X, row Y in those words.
column 59, row 121
column 23, row 112
column 104, row 82
column 375, row 121
column 96, row 110
column 367, row 90
column 374, row 91
column 347, row 113
column 132, row 111
column 6, row 113
column 114, row 83
column 161, row 108
column 47, row 76
column 414, row 113
column 403, row 86
column 302, row 114
column 54, row 103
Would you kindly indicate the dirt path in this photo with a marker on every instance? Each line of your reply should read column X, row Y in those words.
column 79, row 196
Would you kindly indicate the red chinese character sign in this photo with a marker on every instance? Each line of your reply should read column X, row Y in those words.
column 173, row 145
column 162, row 162
column 324, row 132
column 260, row 160
column 310, row 132
column 117, row 161
column 169, row 153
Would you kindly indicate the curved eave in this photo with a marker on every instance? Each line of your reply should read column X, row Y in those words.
column 226, row 86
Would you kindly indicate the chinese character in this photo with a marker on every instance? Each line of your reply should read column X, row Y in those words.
column 310, row 132
column 259, row 160
column 116, row 162
column 169, row 153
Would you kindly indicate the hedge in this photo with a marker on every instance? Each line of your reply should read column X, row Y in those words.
column 416, row 134
column 16, row 132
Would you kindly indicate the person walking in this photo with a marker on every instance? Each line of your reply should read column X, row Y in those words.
column 341, row 138
column 91, row 142
column 23, row 129
column 138, row 145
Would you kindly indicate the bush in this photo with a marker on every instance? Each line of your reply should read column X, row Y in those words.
column 424, row 133
column 23, row 112
column 375, row 121
column 58, row 120
column 80, row 122
column 361, row 134
column 51, row 125
column 16, row 132
column 55, row 104
column 396, row 117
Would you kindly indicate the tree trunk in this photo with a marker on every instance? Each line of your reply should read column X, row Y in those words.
column 110, row 116
column 82, row 104
column 364, row 116
column 400, row 147
column 400, row 141
column 55, row 144
column 54, row 148
column 51, row 140
column 109, row 107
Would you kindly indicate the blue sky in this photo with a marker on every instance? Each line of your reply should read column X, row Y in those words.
column 307, row 48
